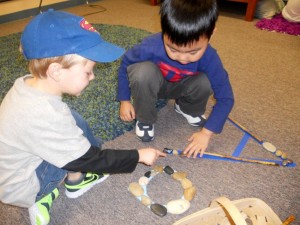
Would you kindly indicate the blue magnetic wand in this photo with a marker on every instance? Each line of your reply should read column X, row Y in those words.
column 215, row 156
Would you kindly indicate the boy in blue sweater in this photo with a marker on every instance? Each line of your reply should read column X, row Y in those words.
column 178, row 63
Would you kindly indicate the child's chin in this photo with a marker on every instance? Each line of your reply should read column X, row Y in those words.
column 75, row 94
column 184, row 63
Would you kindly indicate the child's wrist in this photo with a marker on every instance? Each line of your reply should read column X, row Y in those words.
column 140, row 155
column 207, row 132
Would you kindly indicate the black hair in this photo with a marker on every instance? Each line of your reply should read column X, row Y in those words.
column 185, row 21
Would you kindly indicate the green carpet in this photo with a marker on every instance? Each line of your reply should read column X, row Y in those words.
column 98, row 104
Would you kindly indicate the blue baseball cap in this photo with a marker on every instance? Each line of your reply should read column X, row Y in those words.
column 57, row 33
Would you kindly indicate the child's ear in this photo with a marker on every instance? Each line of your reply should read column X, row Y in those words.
column 54, row 71
column 214, row 31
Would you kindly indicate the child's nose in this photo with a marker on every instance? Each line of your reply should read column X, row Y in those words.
column 182, row 57
column 92, row 76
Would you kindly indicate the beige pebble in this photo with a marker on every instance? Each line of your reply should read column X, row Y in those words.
column 145, row 200
column 284, row 155
column 179, row 175
column 186, row 183
column 278, row 153
column 178, row 206
column 136, row 189
column 268, row 146
column 159, row 169
column 189, row 193
column 143, row 180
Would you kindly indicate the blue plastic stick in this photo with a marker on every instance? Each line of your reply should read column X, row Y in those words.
column 239, row 148
column 206, row 156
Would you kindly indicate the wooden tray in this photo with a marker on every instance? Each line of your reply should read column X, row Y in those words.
column 222, row 211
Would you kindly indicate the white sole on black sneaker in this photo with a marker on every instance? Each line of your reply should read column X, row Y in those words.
column 191, row 120
column 144, row 140
column 145, row 134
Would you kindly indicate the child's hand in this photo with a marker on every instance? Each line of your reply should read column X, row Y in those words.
column 127, row 112
column 199, row 142
column 149, row 155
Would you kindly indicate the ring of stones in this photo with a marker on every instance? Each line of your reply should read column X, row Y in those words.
column 139, row 190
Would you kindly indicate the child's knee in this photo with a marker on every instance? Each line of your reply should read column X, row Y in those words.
column 144, row 72
column 200, row 86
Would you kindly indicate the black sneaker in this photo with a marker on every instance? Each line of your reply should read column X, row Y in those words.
column 144, row 132
column 197, row 121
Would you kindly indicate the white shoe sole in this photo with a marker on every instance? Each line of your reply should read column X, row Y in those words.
column 191, row 120
column 33, row 213
column 80, row 192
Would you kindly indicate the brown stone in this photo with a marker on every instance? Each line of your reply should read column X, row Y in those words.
column 189, row 193
column 186, row 183
column 146, row 200
column 136, row 189
column 179, row 175
column 159, row 169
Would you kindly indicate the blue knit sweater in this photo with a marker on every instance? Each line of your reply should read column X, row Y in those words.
column 152, row 49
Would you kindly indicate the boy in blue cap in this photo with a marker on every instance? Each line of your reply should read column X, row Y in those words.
column 178, row 63
column 42, row 141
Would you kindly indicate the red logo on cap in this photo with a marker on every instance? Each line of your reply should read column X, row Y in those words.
column 87, row 26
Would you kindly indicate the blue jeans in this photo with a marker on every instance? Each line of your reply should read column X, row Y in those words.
column 51, row 176
column 87, row 132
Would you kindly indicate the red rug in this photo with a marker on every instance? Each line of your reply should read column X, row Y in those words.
column 279, row 24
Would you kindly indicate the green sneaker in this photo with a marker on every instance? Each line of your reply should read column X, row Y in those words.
column 74, row 190
column 39, row 211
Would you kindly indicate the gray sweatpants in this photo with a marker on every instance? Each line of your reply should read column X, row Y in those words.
column 148, row 85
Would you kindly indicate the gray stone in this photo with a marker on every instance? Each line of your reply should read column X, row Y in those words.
column 158, row 209
column 147, row 174
column 168, row 170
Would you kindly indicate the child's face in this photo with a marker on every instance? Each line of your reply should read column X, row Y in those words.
column 186, row 54
column 76, row 78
